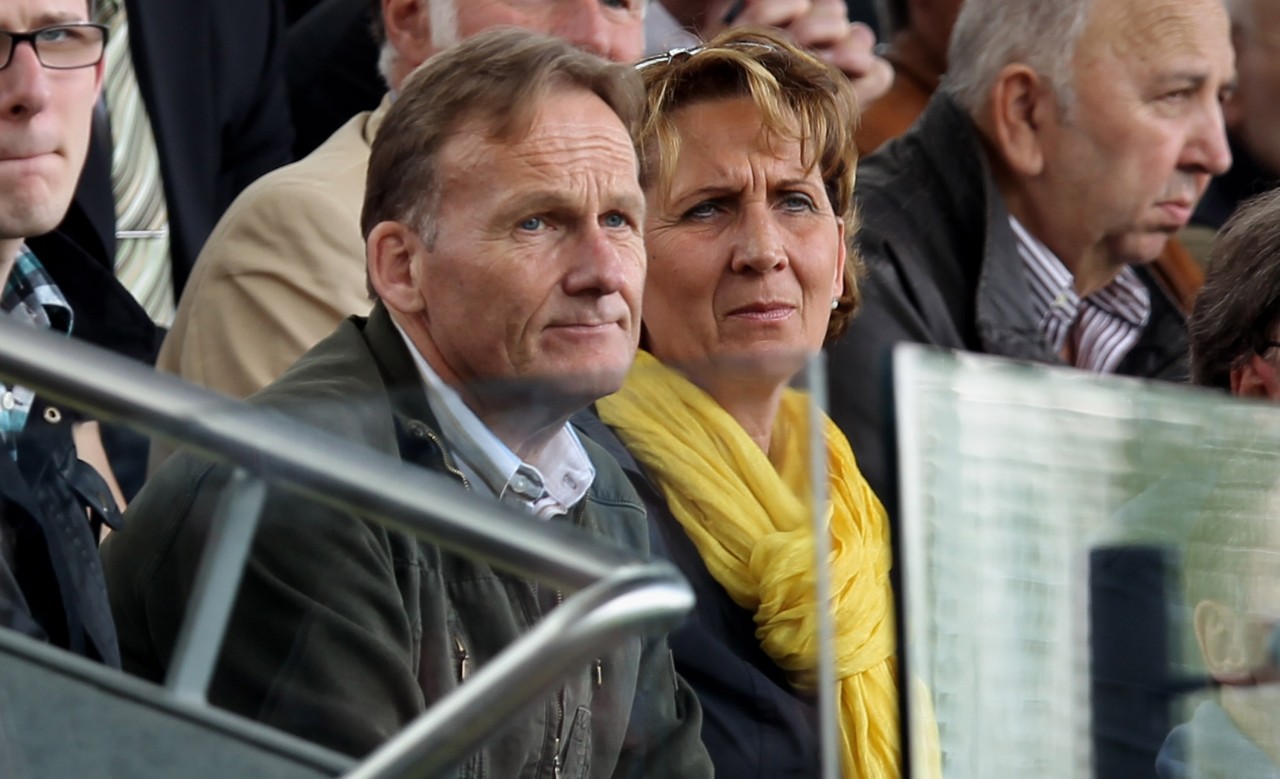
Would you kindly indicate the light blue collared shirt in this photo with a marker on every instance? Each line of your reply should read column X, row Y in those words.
column 548, row 486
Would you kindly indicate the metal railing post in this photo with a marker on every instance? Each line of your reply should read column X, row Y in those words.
column 217, row 581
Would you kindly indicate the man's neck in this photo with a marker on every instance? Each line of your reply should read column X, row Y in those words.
column 1093, row 271
column 514, row 431
column 1090, row 267
column 8, row 256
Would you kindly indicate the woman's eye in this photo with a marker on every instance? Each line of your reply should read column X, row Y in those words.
column 702, row 211
column 795, row 201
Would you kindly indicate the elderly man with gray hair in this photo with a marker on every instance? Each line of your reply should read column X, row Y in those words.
column 502, row 228
column 1069, row 141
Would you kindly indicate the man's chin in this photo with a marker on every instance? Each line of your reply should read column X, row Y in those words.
column 1141, row 248
column 558, row 393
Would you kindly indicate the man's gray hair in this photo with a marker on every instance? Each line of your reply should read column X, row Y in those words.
column 990, row 34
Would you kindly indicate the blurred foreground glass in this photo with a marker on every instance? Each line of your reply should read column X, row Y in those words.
column 1091, row 570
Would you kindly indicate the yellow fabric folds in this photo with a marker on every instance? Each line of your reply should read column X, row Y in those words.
column 748, row 515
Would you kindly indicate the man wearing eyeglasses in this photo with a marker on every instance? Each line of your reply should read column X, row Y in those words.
column 51, row 500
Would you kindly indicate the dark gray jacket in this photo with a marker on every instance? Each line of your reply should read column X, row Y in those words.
column 344, row 630
column 943, row 269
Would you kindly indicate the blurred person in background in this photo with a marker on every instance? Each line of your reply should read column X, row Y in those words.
column 917, row 33
column 1231, row 577
column 822, row 26
column 1020, row 214
column 748, row 170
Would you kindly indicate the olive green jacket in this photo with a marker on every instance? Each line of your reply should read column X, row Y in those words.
column 344, row 631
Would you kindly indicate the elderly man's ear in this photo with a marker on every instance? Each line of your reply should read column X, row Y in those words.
column 1021, row 108
column 1255, row 378
column 395, row 253
column 1219, row 632
column 408, row 25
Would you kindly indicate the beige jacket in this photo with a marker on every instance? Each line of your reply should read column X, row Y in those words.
column 282, row 268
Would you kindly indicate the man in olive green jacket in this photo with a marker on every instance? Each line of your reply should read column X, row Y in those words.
column 501, row 223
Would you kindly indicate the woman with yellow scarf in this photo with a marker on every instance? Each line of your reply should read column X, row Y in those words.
column 747, row 162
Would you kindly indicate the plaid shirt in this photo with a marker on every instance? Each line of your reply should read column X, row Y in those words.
column 29, row 297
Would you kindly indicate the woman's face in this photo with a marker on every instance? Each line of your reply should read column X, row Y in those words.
column 745, row 253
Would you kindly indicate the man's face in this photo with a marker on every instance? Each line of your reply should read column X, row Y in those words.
column 613, row 29
column 1125, row 165
column 45, row 119
column 1253, row 112
column 535, row 273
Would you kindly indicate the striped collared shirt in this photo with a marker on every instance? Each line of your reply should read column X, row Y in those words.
column 1099, row 329
column 31, row 298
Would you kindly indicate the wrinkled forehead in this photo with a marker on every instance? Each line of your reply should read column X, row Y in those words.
column 1149, row 32
column 569, row 127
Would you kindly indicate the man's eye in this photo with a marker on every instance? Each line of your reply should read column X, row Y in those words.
column 626, row 5
column 614, row 221
column 54, row 35
column 532, row 224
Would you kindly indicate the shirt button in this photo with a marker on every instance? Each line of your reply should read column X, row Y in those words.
column 7, row 401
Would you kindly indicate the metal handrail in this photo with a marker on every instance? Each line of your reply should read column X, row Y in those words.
column 620, row 593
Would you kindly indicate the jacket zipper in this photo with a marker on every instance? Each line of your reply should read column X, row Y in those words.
column 463, row 659
column 445, row 457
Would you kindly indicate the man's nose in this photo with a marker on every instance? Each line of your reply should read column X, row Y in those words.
column 1207, row 149
column 24, row 85
column 601, row 263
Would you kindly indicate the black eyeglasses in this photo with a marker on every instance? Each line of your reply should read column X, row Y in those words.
column 59, row 46
column 682, row 54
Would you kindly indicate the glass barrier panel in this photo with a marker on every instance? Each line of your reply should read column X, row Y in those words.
column 1089, row 570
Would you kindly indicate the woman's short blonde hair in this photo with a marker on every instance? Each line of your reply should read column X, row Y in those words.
column 799, row 97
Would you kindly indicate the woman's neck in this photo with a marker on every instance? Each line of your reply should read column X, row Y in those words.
column 752, row 405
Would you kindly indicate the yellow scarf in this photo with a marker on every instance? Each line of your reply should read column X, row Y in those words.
column 748, row 515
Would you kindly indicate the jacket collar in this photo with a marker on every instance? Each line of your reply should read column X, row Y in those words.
column 395, row 364
column 1004, row 319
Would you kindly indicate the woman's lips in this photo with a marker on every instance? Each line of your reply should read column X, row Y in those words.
column 763, row 312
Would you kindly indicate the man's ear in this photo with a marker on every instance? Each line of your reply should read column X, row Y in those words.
column 1255, row 378
column 394, row 253
column 1020, row 108
column 1218, row 632
column 408, row 26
